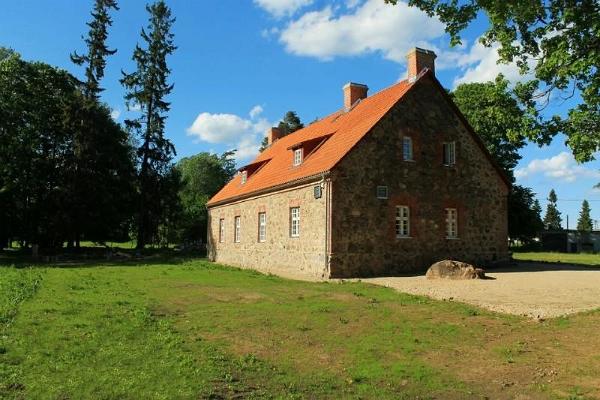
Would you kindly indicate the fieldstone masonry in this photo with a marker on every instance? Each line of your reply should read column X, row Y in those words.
column 349, row 232
column 364, row 242
column 280, row 253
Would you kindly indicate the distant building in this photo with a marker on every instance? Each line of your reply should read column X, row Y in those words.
column 571, row 241
column 389, row 183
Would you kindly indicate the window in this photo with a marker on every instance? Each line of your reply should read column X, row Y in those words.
column 295, row 222
column 262, row 227
column 221, row 230
column 402, row 221
column 244, row 176
column 451, row 223
column 237, row 229
column 449, row 153
column 407, row 148
column 382, row 192
column 297, row 157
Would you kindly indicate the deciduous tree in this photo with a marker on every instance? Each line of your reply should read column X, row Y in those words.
column 202, row 176
column 556, row 40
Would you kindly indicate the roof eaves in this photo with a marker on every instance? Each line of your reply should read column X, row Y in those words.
column 275, row 188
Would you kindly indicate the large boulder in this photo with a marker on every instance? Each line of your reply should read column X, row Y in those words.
column 450, row 269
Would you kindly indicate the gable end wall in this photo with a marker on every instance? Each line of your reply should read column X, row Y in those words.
column 363, row 227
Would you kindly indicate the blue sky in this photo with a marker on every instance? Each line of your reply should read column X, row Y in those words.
column 241, row 64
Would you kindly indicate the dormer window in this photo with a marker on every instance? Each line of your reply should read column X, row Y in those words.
column 244, row 176
column 297, row 157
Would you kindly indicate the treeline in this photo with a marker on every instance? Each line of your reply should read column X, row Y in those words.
column 69, row 172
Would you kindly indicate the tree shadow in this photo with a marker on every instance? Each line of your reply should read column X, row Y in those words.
column 83, row 259
column 543, row 266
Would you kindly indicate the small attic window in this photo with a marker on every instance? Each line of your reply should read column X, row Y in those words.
column 298, row 156
column 244, row 176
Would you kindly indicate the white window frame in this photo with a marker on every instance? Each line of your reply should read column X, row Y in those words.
column 244, row 176
column 379, row 192
column 237, row 228
column 298, row 156
column 262, row 227
column 449, row 153
column 451, row 223
column 407, row 148
column 294, row 222
column 221, row 230
column 402, row 221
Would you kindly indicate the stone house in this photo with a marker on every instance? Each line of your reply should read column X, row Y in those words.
column 389, row 183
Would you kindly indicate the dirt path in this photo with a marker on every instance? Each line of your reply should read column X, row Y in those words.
column 530, row 289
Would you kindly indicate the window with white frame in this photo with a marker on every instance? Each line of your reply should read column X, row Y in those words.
column 244, row 176
column 262, row 226
column 402, row 221
column 451, row 223
column 297, row 157
column 407, row 148
column 295, row 221
column 221, row 230
column 237, row 229
column 449, row 153
column 382, row 192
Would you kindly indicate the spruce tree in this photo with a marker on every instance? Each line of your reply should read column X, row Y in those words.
column 147, row 88
column 289, row 124
column 97, row 50
column 552, row 219
column 102, row 172
column 584, row 223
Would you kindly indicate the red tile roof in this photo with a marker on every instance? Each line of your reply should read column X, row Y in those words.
column 342, row 131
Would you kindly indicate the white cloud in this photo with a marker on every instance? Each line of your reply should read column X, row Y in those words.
column 561, row 167
column 371, row 27
column 243, row 134
column 480, row 64
column 115, row 114
column 256, row 111
column 219, row 128
column 282, row 8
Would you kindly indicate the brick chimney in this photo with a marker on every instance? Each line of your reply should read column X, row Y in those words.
column 273, row 134
column 419, row 59
column 354, row 92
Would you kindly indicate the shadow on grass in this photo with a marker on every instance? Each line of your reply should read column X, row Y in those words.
column 86, row 258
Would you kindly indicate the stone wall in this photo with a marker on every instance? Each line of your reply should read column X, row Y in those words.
column 363, row 227
column 280, row 253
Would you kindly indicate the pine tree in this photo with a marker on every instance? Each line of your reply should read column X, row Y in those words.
column 97, row 51
column 147, row 88
column 289, row 124
column 584, row 223
column 552, row 219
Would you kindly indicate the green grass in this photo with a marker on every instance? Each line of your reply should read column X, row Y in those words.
column 569, row 258
column 191, row 329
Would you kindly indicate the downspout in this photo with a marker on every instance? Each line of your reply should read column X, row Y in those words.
column 327, row 184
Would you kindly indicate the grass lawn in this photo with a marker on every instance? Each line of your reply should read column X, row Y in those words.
column 570, row 258
column 189, row 329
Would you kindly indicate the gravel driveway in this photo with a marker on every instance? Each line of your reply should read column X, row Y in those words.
column 531, row 289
